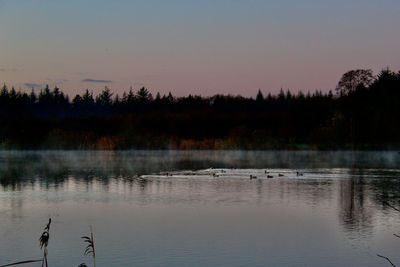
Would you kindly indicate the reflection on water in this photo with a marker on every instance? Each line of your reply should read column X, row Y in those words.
column 177, row 213
column 354, row 213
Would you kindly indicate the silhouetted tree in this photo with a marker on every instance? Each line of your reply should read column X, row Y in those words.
column 87, row 98
column 32, row 97
column 104, row 99
column 144, row 95
column 366, row 116
column 354, row 78
column 260, row 96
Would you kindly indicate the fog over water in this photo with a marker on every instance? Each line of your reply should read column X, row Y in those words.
column 200, row 208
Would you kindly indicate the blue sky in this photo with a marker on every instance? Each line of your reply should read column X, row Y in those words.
column 198, row 47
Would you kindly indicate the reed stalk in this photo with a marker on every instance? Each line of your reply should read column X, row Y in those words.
column 90, row 247
column 44, row 241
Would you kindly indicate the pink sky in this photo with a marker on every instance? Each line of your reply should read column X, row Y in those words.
column 194, row 47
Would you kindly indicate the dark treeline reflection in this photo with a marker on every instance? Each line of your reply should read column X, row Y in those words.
column 354, row 212
column 363, row 114
column 365, row 188
column 55, row 166
column 361, row 182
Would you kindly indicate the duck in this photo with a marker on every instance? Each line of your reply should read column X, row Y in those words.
column 280, row 175
column 252, row 177
column 215, row 175
column 299, row 174
column 270, row 176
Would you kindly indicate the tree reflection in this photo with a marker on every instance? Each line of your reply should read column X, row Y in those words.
column 354, row 214
column 387, row 190
column 360, row 191
column 365, row 192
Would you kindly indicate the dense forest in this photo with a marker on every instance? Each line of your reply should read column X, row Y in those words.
column 362, row 113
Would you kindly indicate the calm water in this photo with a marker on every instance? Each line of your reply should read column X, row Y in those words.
column 337, row 214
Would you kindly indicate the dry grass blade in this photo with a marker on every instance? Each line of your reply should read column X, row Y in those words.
column 47, row 228
column 90, row 247
column 44, row 241
column 20, row 262
column 44, row 238
column 388, row 204
column 386, row 258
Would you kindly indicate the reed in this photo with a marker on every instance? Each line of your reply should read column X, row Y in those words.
column 20, row 262
column 44, row 241
column 90, row 247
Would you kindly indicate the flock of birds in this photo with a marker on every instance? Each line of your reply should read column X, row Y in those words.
column 215, row 173
column 271, row 176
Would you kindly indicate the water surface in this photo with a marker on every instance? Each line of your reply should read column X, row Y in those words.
column 340, row 212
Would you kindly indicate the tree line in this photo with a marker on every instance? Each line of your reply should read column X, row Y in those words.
column 363, row 113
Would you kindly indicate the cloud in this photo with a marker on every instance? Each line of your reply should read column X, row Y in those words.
column 87, row 80
column 33, row 85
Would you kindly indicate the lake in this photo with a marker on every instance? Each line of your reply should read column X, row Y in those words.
column 200, row 208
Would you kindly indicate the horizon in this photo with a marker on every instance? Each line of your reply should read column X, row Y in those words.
column 95, row 93
column 39, row 90
column 205, row 48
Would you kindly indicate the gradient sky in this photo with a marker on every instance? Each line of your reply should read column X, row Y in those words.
column 194, row 46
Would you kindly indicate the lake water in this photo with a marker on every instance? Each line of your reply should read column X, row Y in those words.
column 340, row 212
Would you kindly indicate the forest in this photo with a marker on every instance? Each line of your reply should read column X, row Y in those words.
column 362, row 113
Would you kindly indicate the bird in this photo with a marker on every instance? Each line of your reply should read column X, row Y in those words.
column 299, row 174
column 270, row 176
column 281, row 174
column 252, row 177
column 215, row 175
column 265, row 172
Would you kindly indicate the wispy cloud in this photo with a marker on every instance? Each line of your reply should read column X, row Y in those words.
column 33, row 85
column 87, row 80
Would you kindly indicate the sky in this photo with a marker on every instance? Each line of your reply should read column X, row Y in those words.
column 201, row 47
